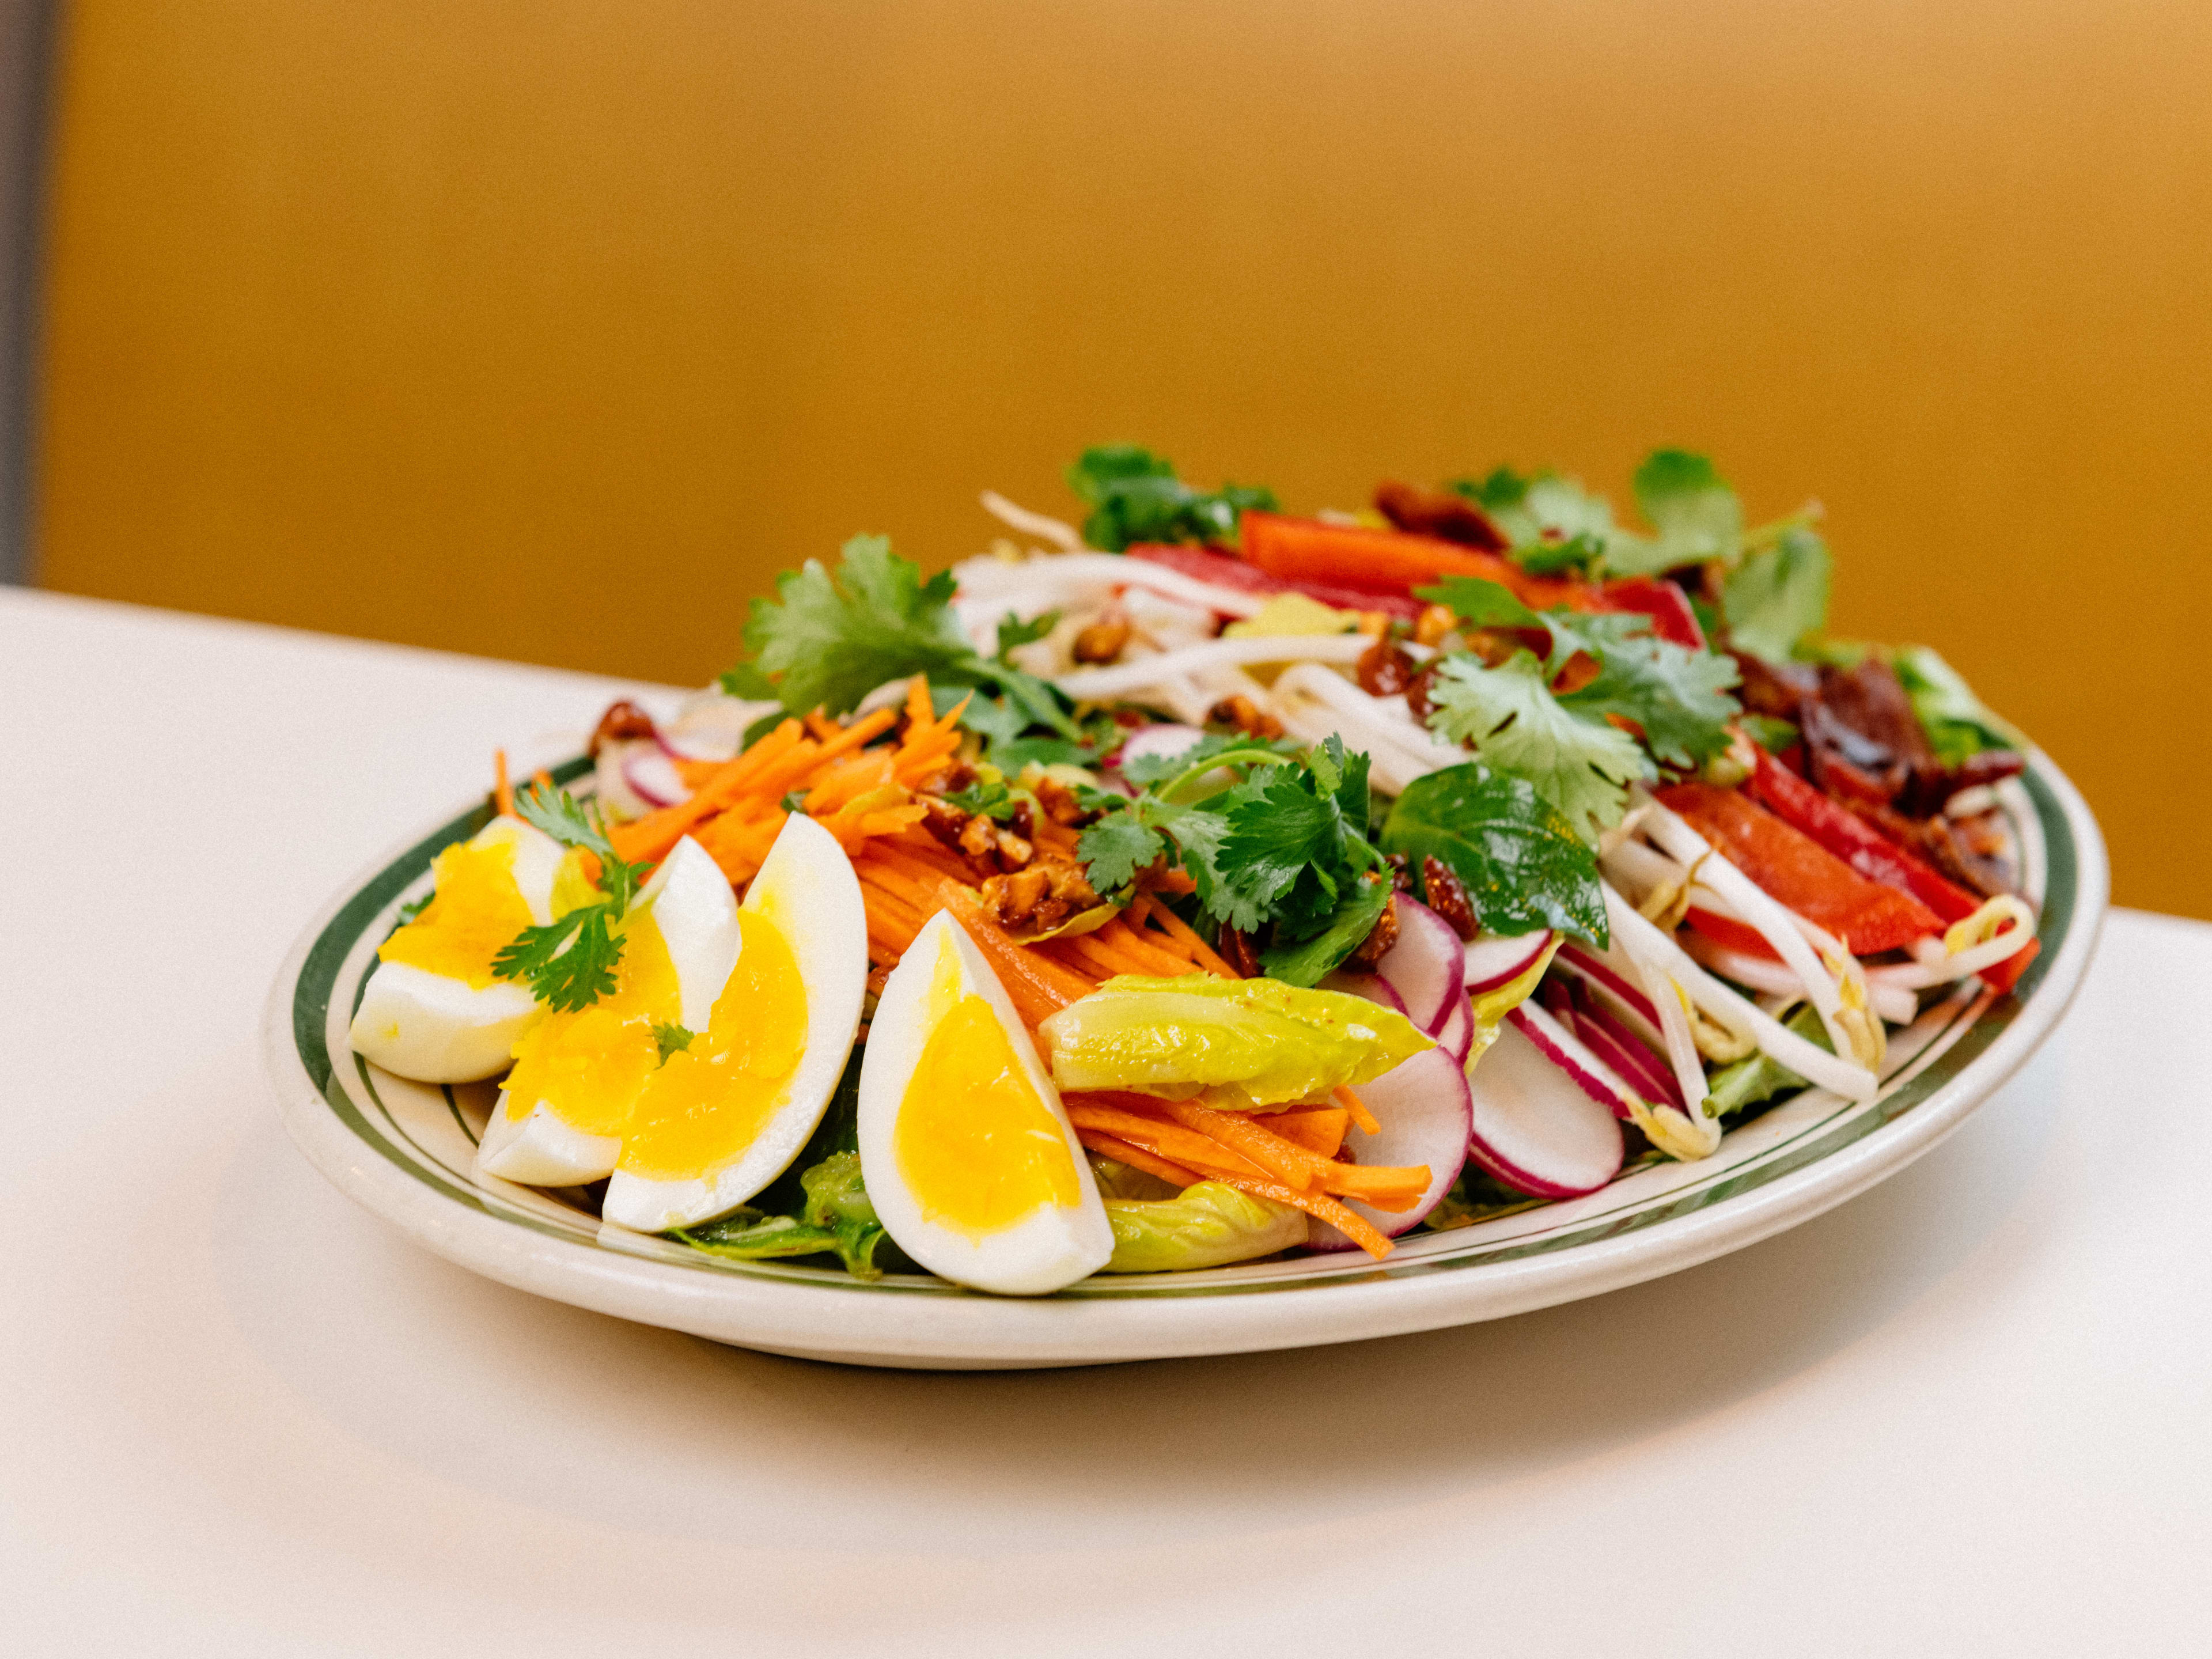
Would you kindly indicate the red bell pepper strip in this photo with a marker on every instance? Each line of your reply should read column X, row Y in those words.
column 1855, row 841
column 1307, row 552
column 1799, row 873
column 1736, row 935
column 1224, row 571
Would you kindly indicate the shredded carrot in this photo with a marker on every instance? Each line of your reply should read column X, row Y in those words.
column 502, row 792
column 542, row 778
column 1171, row 1140
column 1137, row 1158
column 1144, row 907
column 1082, row 954
column 1320, row 1131
column 1352, row 1103
column 1061, row 984
column 821, row 727
column 1353, row 1225
column 1385, row 1188
column 1126, row 943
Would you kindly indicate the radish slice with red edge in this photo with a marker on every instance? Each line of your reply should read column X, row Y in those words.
column 1457, row 1034
column 1600, row 975
column 1426, row 1113
column 1162, row 742
column 653, row 777
column 1611, row 1041
column 1372, row 988
column 1427, row 966
column 1533, row 1128
column 1493, row 960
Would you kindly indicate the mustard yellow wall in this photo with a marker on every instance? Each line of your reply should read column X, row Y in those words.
column 552, row 328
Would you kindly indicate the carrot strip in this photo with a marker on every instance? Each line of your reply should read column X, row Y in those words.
column 1144, row 907
column 542, row 778
column 647, row 840
column 1352, row 1103
column 1061, row 983
column 1353, row 1225
column 502, row 792
column 881, row 872
column 1383, row 1186
column 1171, row 1140
column 1320, row 1131
column 1081, row 953
column 1125, row 942
column 1137, row 1158
column 821, row 727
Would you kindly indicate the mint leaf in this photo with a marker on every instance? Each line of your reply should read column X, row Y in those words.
column 1522, row 863
column 1695, row 511
column 1509, row 718
column 1779, row 597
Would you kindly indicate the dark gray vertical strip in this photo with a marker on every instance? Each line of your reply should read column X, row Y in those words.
column 25, row 58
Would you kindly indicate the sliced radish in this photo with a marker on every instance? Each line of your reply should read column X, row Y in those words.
column 1157, row 742
column 1427, row 966
column 1493, row 960
column 653, row 777
column 1606, row 1036
column 1534, row 1128
column 1600, row 975
column 1571, row 1055
column 1427, row 1117
column 1456, row 1035
column 1371, row 987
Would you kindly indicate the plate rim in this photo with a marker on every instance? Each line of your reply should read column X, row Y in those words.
column 827, row 1321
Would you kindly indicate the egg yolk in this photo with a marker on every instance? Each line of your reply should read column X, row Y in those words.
column 588, row 1065
column 474, row 915
column 977, row 1148
column 710, row 1102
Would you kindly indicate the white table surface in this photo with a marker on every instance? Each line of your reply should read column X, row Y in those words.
column 1969, row 1412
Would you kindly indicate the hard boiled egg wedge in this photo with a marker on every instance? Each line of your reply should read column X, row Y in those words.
column 578, row 1073
column 432, row 1010
column 725, row 1116
column 968, row 1154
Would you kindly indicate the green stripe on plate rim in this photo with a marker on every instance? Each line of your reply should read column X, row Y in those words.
column 325, row 961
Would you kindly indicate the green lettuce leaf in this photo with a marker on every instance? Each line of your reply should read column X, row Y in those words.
column 1208, row 1226
column 1958, row 725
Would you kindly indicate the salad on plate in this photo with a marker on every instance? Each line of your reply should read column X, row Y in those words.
column 1203, row 883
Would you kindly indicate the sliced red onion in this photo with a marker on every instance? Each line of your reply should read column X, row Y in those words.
column 1534, row 1128
column 653, row 777
column 1427, row 1117
column 1427, row 966
column 1494, row 959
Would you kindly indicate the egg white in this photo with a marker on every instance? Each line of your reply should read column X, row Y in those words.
column 426, row 1026
column 808, row 885
column 690, row 902
column 1053, row 1245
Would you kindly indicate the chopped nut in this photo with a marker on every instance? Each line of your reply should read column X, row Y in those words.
column 1059, row 801
column 1384, row 670
column 1400, row 880
column 1013, row 851
column 978, row 837
column 1439, row 512
column 1024, row 822
column 1246, row 716
column 1045, row 895
column 1380, row 938
column 1447, row 897
column 945, row 823
column 623, row 721
column 1433, row 624
column 1102, row 642
column 1417, row 693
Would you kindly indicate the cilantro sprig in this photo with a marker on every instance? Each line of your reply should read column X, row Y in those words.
column 829, row 639
column 1575, row 746
column 1135, row 497
column 569, row 963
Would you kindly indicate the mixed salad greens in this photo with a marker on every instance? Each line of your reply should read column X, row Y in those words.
column 1331, row 877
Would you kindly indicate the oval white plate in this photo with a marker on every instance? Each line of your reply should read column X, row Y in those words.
column 404, row 1150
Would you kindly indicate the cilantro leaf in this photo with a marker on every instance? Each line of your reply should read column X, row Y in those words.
column 1509, row 718
column 1135, row 496
column 1778, row 596
column 1678, row 697
column 1213, row 750
column 1692, row 508
column 671, row 1039
column 1481, row 603
column 574, row 823
column 1549, row 557
column 1312, row 960
column 569, row 963
column 826, row 642
column 1282, row 852
column 988, row 801
column 1522, row 863
column 1013, row 631
column 1116, row 847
